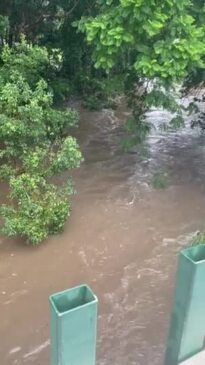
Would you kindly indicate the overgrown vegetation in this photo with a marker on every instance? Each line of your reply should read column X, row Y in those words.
column 50, row 50
column 161, row 45
column 34, row 145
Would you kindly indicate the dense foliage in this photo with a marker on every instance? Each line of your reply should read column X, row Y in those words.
column 34, row 145
column 161, row 38
column 161, row 43
column 49, row 23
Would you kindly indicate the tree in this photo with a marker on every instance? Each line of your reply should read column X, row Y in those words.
column 50, row 24
column 34, row 146
column 34, row 18
column 161, row 43
column 162, row 38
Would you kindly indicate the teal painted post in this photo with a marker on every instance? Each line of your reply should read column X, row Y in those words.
column 187, row 328
column 73, row 322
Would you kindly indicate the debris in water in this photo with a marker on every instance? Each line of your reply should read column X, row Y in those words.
column 37, row 350
column 14, row 350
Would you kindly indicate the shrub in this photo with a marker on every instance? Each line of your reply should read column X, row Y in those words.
column 34, row 146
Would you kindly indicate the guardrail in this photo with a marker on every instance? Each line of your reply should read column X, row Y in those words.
column 187, row 328
column 73, row 318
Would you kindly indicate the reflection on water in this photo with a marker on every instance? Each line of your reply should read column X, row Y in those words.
column 122, row 239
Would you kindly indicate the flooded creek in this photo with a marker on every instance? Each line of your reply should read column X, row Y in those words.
column 122, row 239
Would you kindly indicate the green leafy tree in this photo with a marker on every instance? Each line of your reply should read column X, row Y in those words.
column 32, row 62
column 161, row 37
column 195, row 78
column 49, row 24
column 34, row 147
column 34, row 18
column 161, row 43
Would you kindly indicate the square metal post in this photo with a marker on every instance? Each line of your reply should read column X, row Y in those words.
column 187, row 328
column 73, row 322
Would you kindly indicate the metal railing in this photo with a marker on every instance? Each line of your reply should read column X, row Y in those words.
column 187, row 327
column 73, row 322
column 73, row 318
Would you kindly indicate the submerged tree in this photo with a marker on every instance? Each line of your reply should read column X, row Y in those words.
column 34, row 146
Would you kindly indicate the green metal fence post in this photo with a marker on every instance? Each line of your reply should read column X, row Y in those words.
column 73, row 319
column 187, row 328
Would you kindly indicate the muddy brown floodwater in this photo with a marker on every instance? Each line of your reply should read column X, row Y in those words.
column 122, row 239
